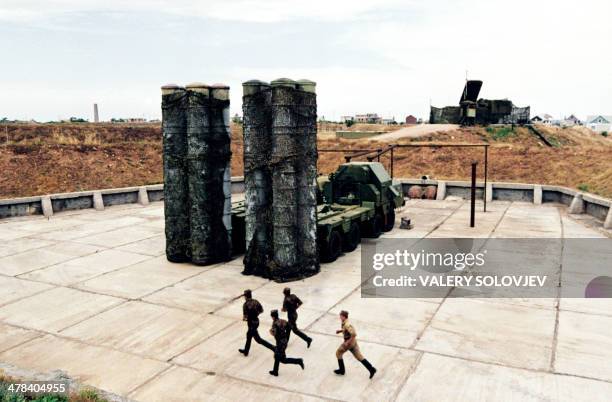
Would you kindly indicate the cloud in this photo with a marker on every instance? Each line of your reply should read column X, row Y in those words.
column 230, row 10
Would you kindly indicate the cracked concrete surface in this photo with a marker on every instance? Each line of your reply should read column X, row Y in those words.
column 92, row 294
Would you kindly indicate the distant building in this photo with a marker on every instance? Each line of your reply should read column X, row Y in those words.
column 599, row 123
column 571, row 121
column 371, row 118
column 345, row 119
column 543, row 119
column 389, row 121
column 411, row 119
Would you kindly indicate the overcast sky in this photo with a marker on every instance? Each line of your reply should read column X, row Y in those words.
column 385, row 56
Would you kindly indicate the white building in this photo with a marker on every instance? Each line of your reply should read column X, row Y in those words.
column 599, row 123
column 543, row 119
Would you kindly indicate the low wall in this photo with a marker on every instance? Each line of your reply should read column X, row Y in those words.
column 590, row 204
column 579, row 202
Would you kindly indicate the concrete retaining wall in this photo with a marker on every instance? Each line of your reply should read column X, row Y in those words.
column 593, row 205
column 14, row 207
column 579, row 202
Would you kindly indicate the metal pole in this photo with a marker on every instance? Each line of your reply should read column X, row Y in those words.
column 392, row 148
column 486, row 167
column 473, row 196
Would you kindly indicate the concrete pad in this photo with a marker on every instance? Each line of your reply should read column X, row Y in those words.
column 492, row 332
column 182, row 385
column 12, row 289
column 153, row 246
column 584, row 345
column 148, row 330
column 130, row 282
column 12, row 336
column 86, row 228
column 441, row 379
column 32, row 260
column 320, row 361
column 55, row 309
column 209, row 291
column 83, row 268
column 394, row 322
column 589, row 306
column 20, row 245
column 118, row 237
column 107, row 369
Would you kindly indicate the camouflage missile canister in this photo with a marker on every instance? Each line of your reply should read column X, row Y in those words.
column 307, row 175
column 208, row 154
column 284, row 178
column 220, row 164
column 176, row 194
column 257, row 176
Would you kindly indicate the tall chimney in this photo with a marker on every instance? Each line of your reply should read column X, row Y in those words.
column 96, row 116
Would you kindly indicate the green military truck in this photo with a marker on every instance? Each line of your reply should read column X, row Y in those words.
column 357, row 200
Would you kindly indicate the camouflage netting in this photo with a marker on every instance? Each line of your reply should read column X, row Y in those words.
column 200, row 219
column 280, row 160
column 176, row 195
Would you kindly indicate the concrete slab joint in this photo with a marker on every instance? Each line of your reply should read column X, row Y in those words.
column 143, row 196
column 537, row 194
column 47, row 207
column 98, row 202
column 577, row 205
column 441, row 194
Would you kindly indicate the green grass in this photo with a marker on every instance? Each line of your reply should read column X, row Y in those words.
column 501, row 133
column 583, row 187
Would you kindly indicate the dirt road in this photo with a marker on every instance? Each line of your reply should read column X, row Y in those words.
column 415, row 131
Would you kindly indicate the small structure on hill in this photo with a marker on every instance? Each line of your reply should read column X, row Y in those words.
column 472, row 110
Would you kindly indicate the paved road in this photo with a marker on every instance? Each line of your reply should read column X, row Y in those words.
column 415, row 131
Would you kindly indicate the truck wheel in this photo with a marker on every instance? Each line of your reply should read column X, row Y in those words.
column 390, row 221
column 375, row 226
column 352, row 238
column 332, row 249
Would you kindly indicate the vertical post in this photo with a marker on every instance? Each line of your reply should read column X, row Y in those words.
column 473, row 196
column 486, row 167
column 392, row 148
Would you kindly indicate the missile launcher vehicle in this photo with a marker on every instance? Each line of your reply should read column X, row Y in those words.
column 358, row 200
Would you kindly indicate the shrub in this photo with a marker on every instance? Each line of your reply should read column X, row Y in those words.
column 605, row 133
column 583, row 187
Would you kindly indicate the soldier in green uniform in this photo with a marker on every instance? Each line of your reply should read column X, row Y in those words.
column 350, row 344
column 280, row 331
column 290, row 304
column 251, row 309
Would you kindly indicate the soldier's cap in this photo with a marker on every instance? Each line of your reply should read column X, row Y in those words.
column 274, row 313
column 287, row 291
column 344, row 313
column 247, row 293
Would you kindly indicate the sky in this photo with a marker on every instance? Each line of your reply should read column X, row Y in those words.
column 389, row 57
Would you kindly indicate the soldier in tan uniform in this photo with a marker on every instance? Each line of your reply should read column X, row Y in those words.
column 350, row 344
column 251, row 309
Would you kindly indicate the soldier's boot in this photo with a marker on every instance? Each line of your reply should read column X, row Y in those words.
column 370, row 368
column 308, row 342
column 274, row 371
column 247, row 347
column 340, row 370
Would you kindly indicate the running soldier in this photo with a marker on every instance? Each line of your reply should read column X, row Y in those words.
column 251, row 309
column 350, row 344
column 290, row 305
column 280, row 331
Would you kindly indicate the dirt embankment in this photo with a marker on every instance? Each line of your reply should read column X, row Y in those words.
column 51, row 158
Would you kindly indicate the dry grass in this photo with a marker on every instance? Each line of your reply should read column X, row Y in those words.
column 41, row 159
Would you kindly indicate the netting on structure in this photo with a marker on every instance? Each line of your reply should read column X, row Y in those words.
column 280, row 179
column 199, row 220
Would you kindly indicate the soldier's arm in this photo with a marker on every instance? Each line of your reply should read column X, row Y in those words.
column 350, row 340
column 244, row 312
column 298, row 301
column 284, row 309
